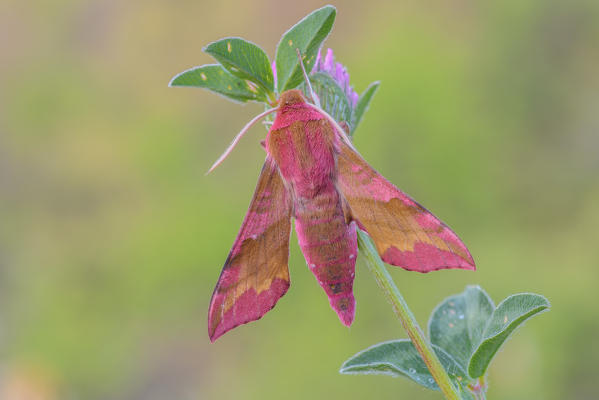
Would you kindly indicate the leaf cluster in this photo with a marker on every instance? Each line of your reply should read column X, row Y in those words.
column 244, row 72
column 465, row 330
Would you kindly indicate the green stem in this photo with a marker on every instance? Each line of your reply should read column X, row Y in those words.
column 385, row 282
column 479, row 388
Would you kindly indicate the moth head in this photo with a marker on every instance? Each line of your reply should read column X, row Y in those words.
column 291, row 97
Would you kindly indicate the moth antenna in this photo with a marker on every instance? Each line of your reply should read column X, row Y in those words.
column 336, row 125
column 313, row 95
column 238, row 137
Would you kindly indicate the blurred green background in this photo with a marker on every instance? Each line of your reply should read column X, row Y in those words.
column 112, row 238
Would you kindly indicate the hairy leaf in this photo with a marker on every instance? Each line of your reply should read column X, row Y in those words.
column 332, row 98
column 363, row 103
column 243, row 59
column 457, row 323
column 307, row 36
column 508, row 315
column 216, row 79
column 400, row 358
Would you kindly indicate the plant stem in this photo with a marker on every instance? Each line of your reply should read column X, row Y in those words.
column 479, row 388
column 385, row 282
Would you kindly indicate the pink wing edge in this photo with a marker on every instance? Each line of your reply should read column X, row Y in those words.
column 424, row 257
column 248, row 305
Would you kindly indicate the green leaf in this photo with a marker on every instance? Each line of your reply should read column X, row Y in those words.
column 400, row 358
column 508, row 315
column 216, row 79
column 466, row 394
column 363, row 103
column 457, row 323
column 245, row 60
column 307, row 36
column 332, row 98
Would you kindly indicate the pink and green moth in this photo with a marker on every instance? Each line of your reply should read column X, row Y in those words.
column 314, row 175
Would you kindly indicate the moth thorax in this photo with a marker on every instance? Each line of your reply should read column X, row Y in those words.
column 291, row 97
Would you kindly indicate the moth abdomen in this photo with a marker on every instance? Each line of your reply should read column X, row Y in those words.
column 329, row 245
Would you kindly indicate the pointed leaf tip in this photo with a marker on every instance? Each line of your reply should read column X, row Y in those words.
column 307, row 36
column 363, row 104
column 399, row 358
column 215, row 78
column 509, row 315
column 244, row 60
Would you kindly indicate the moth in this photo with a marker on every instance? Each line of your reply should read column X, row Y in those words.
column 313, row 174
